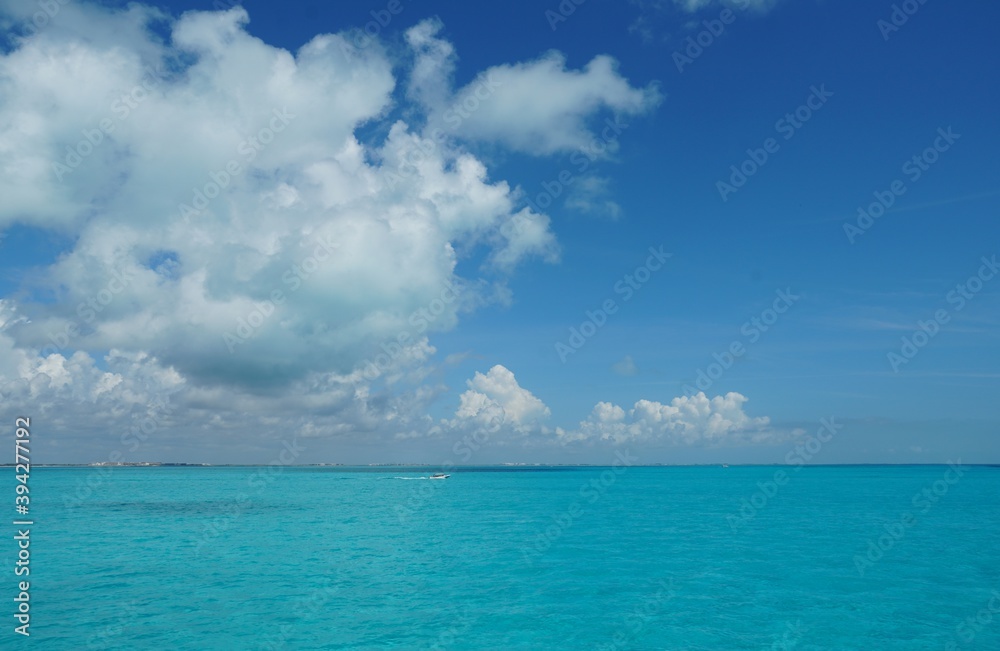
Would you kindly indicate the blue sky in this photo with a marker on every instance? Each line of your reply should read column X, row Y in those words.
column 489, row 366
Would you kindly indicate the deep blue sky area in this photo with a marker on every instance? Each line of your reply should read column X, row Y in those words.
column 788, row 227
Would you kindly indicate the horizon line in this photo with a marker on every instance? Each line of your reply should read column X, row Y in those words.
column 170, row 464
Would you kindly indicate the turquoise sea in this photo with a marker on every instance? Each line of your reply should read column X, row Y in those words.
column 866, row 557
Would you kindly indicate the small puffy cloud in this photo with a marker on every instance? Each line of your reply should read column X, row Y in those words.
column 496, row 399
column 542, row 108
column 589, row 195
column 539, row 107
column 686, row 420
column 524, row 235
column 625, row 366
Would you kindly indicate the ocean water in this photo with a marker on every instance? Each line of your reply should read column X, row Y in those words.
column 868, row 557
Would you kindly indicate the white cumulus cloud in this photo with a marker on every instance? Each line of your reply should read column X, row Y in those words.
column 243, row 261
column 496, row 399
column 685, row 420
column 625, row 366
column 212, row 180
column 495, row 402
column 539, row 107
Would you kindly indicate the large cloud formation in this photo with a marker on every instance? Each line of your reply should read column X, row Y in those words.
column 256, row 233
column 215, row 185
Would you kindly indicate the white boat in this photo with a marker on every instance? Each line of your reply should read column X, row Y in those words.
column 439, row 475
